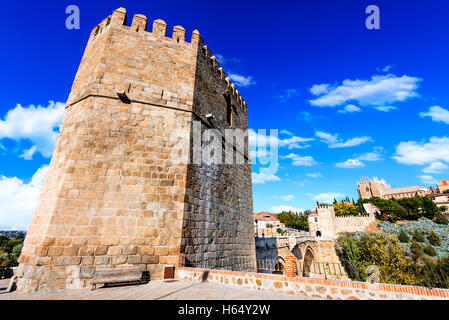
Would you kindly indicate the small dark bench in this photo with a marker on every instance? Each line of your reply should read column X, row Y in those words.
column 5, row 272
column 117, row 276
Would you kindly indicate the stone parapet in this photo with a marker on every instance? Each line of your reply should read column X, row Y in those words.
column 316, row 288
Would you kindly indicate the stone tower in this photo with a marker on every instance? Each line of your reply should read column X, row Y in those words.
column 368, row 188
column 120, row 189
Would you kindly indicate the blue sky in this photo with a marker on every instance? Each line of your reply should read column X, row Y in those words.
column 347, row 101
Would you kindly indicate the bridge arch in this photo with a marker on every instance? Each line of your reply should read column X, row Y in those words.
column 279, row 268
column 309, row 257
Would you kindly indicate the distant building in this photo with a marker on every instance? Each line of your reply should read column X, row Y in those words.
column 267, row 224
column 442, row 200
column 368, row 188
column 371, row 209
column 407, row 192
column 443, row 185
column 375, row 187
column 325, row 224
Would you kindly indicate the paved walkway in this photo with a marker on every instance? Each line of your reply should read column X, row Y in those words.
column 154, row 290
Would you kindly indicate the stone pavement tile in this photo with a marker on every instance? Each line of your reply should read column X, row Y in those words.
column 3, row 284
column 158, row 290
column 131, row 294
column 204, row 291
column 167, row 290
column 139, row 291
column 105, row 293
column 176, row 291
column 233, row 293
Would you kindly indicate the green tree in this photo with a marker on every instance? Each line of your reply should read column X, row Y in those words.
column 403, row 236
column 295, row 221
column 434, row 239
column 430, row 250
column 418, row 236
column 416, row 249
column 430, row 209
column 441, row 219
column 345, row 208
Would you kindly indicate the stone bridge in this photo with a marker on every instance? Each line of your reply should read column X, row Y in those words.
column 304, row 256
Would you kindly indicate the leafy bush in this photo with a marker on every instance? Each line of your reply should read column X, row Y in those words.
column 406, row 208
column 430, row 250
column 396, row 266
column 441, row 219
column 416, row 249
column 434, row 239
column 418, row 236
column 434, row 274
column 345, row 208
column 378, row 249
column 295, row 221
column 403, row 236
column 430, row 209
column 10, row 250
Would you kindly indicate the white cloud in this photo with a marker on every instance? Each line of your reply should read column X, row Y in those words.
column 350, row 163
column 437, row 114
column 427, row 179
column 386, row 108
column 380, row 90
column 386, row 68
column 281, row 208
column 358, row 161
column 318, row 89
column 327, row 197
column 350, row 108
column 222, row 60
column 259, row 141
column 286, row 132
column 36, row 124
column 18, row 200
column 413, row 152
column 298, row 160
column 288, row 94
column 370, row 156
column 28, row 153
column 314, row 175
column 262, row 178
column 288, row 197
column 242, row 81
column 435, row 167
column 295, row 142
column 333, row 142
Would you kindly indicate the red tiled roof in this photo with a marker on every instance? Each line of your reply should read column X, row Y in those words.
column 443, row 183
column 265, row 216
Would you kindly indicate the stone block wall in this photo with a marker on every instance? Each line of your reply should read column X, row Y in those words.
column 325, row 224
column 219, row 196
column 348, row 224
column 314, row 288
column 120, row 190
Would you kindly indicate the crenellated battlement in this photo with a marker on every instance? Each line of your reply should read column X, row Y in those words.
column 139, row 24
column 352, row 216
